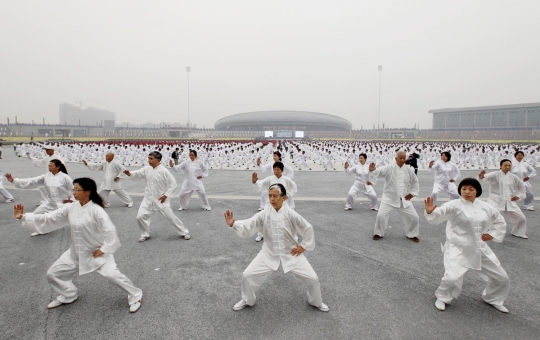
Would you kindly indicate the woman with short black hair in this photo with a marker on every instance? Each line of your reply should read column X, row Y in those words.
column 93, row 242
column 471, row 223
column 446, row 173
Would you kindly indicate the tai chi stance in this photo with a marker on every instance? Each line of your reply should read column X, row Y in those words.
column 505, row 189
column 194, row 170
column 400, row 186
column 280, row 226
column 525, row 172
column 111, row 182
column 361, row 184
column 446, row 175
column 93, row 242
column 470, row 224
column 160, row 185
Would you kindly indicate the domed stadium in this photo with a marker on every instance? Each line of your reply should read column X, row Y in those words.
column 283, row 121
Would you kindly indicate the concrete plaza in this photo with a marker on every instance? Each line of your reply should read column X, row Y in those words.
column 375, row 290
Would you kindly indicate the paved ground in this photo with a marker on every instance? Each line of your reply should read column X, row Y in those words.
column 376, row 290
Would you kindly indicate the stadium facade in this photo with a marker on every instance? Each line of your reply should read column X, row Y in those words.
column 283, row 124
column 487, row 117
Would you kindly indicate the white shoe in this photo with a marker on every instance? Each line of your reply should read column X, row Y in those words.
column 187, row 237
column 347, row 208
column 530, row 209
column 260, row 209
column 107, row 205
column 144, row 238
column 207, row 209
column 135, row 307
column 56, row 303
column 258, row 239
column 525, row 237
column 440, row 305
column 240, row 305
column 130, row 205
column 180, row 209
column 501, row 308
column 34, row 234
column 323, row 308
column 11, row 201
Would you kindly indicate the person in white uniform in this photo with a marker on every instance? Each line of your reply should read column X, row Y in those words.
column 93, row 243
column 362, row 184
column 446, row 174
column 56, row 187
column 269, row 168
column 113, row 172
column 160, row 185
column 505, row 189
column 194, row 170
column 6, row 194
column 400, row 186
column 525, row 172
column 470, row 224
column 281, row 227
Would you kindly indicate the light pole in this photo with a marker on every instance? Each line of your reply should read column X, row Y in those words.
column 379, row 117
column 188, row 121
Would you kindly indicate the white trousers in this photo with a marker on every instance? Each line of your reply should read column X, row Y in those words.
column 451, row 285
column 124, row 197
column 518, row 219
column 6, row 194
column 301, row 164
column 144, row 215
column 257, row 271
column 185, row 196
column 450, row 189
column 408, row 216
column 60, row 277
column 528, row 202
column 369, row 193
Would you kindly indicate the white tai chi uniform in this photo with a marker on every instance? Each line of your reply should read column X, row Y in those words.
column 502, row 187
column 268, row 168
column 522, row 170
column 159, row 182
column 360, row 185
column 192, row 170
column 288, row 183
column 464, row 248
column 399, row 182
column 111, row 170
column 444, row 172
column 3, row 190
column 280, row 230
column 91, row 229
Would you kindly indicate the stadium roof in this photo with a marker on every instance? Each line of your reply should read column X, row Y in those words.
column 283, row 118
column 492, row 107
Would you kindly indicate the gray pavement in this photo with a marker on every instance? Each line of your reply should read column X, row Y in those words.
column 375, row 290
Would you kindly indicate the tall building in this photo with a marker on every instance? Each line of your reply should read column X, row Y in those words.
column 74, row 115
column 487, row 117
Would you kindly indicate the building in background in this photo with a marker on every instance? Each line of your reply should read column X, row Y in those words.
column 487, row 117
column 74, row 115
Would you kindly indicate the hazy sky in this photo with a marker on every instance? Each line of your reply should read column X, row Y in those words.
column 130, row 57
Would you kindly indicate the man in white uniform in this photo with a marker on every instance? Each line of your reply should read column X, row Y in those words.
column 400, row 186
column 160, row 185
column 280, row 226
column 111, row 182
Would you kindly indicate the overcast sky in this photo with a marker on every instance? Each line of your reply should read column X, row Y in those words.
column 130, row 57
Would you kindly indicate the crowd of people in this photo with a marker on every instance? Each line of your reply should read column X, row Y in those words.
column 471, row 223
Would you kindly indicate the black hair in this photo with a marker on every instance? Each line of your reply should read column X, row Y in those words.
column 278, row 165
column 472, row 182
column 281, row 187
column 156, row 155
column 504, row 160
column 447, row 154
column 59, row 164
column 519, row 152
column 278, row 154
column 363, row 154
column 88, row 184
column 194, row 152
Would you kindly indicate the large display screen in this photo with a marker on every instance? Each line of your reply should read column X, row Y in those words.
column 268, row 134
column 284, row 134
column 299, row 134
